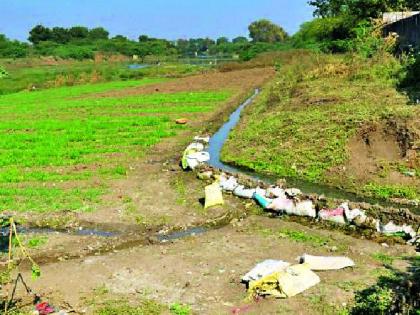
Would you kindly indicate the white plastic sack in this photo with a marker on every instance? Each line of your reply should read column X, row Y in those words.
column 392, row 228
column 260, row 191
column 195, row 159
column 335, row 215
column 282, row 204
column 326, row 263
column 305, row 209
column 242, row 192
column 296, row 279
column 202, row 139
column 353, row 214
column 275, row 192
column 264, row 269
column 293, row 192
column 228, row 184
column 196, row 146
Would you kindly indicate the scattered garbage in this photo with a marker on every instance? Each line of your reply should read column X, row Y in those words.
column 275, row 192
column 334, row 215
column 326, row 263
column 181, row 121
column 195, row 159
column 351, row 215
column 392, row 229
column 214, row 195
column 197, row 146
column 283, row 201
column 204, row 140
column 44, row 308
column 262, row 201
column 306, row 209
column 282, row 204
column 228, row 184
column 279, row 279
column 290, row 282
column 293, row 192
column 242, row 192
column 265, row 268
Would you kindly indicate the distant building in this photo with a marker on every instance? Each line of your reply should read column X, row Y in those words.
column 406, row 25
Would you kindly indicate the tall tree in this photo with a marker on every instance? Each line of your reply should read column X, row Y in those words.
column 60, row 35
column 266, row 31
column 78, row 32
column 240, row 40
column 222, row 40
column 39, row 34
column 98, row 33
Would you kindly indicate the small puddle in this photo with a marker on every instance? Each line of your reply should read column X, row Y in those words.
column 136, row 66
column 219, row 138
column 181, row 234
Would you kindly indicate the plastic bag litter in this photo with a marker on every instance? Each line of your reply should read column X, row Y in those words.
column 265, row 268
column 261, row 191
column 228, row 184
column 262, row 201
column 326, row 263
column 290, row 282
column 184, row 161
column 275, row 192
column 306, row 209
column 195, row 159
column 198, row 147
column 335, row 215
column 392, row 228
column 202, row 139
column 214, row 196
column 241, row 191
column 351, row 215
column 282, row 204
column 293, row 192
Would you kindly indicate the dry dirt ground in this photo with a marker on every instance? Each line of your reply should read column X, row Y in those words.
column 203, row 271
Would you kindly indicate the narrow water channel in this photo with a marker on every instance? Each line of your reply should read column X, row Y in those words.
column 218, row 140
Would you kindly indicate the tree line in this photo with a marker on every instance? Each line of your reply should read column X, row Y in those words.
column 79, row 42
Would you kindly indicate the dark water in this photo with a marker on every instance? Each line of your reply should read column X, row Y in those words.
column 182, row 234
column 219, row 138
column 136, row 66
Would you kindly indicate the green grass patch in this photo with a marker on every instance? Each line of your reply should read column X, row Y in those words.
column 54, row 143
column 301, row 124
column 303, row 237
column 119, row 307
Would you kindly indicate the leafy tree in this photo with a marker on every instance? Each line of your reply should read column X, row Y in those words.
column 60, row 35
column 78, row 32
column 267, row 32
column 222, row 40
column 120, row 38
column 361, row 9
column 98, row 33
column 240, row 40
column 39, row 34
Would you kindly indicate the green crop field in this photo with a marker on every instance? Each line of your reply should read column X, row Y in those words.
column 60, row 147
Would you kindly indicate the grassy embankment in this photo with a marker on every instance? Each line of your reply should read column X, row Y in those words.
column 60, row 148
column 305, row 122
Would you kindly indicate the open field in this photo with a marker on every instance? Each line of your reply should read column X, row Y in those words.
column 45, row 73
column 337, row 120
column 110, row 153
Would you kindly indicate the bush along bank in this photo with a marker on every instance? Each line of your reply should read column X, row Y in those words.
column 372, row 219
